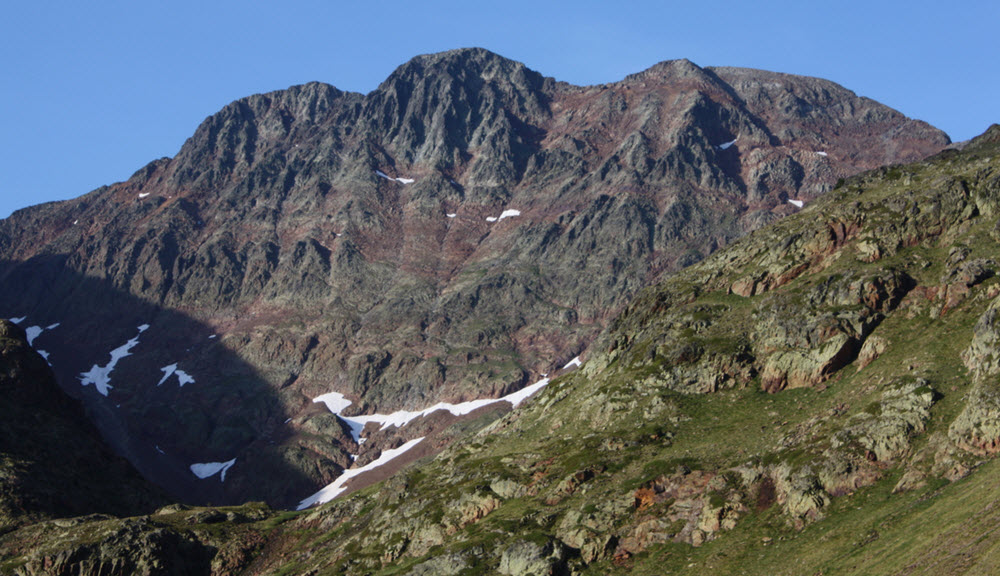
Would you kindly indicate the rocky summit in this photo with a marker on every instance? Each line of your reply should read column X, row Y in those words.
column 465, row 229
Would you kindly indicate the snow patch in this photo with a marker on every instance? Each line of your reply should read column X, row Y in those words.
column 100, row 376
column 18, row 320
column 400, row 180
column 451, row 215
column 158, row 449
column 726, row 145
column 36, row 331
column 523, row 394
column 337, row 487
column 182, row 376
column 143, row 194
column 33, row 332
column 504, row 214
column 336, row 403
column 574, row 362
column 796, row 203
column 208, row 469
column 821, row 154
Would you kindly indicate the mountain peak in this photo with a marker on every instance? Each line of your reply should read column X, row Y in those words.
column 461, row 63
column 673, row 69
column 436, row 106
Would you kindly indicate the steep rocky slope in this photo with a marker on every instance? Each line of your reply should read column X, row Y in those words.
column 464, row 228
column 817, row 398
column 53, row 462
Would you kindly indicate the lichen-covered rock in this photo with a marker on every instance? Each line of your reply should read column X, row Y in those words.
column 688, row 506
column 885, row 431
column 124, row 548
column 977, row 427
column 507, row 488
column 526, row 558
column 798, row 368
column 800, row 492
column 444, row 565
column 873, row 347
column 803, row 348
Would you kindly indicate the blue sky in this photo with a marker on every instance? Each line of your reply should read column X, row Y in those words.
column 93, row 91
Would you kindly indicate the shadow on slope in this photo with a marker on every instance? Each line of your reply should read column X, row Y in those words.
column 53, row 463
column 176, row 395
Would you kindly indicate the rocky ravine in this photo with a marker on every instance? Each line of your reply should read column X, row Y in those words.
column 455, row 233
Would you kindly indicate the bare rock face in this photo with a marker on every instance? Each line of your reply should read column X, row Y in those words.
column 977, row 427
column 805, row 349
column 465, row 227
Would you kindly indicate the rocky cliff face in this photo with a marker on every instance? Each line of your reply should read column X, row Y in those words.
column 462, row 229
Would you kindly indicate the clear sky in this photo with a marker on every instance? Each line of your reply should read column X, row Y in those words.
column 92, row 91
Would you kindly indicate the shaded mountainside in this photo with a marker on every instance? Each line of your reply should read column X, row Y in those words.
column 818, row 397
column 465, row 227
column 53, row 462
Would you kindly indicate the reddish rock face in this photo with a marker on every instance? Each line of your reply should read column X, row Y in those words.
column 333, row 241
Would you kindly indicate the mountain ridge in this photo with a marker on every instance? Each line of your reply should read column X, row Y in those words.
column 311, row 230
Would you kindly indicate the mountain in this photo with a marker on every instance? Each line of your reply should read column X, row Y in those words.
column 453, row 235
column 818, row 397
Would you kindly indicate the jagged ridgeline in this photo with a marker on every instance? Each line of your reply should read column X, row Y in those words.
column 817, row 397
column 464, row 228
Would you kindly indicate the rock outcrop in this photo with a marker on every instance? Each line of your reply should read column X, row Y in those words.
column 977, row 428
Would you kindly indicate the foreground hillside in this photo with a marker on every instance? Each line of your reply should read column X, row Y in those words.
column 453, row 235
column 817, row 398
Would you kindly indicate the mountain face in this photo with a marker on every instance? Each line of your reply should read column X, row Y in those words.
column 818, row 397
column 463, row 229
